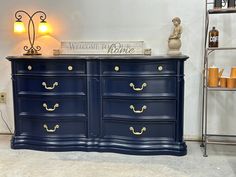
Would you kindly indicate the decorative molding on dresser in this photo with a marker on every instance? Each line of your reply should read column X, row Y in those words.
column 125, row 104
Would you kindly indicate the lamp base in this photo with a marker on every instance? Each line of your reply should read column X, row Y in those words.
column 32, row 51
column 32, row 54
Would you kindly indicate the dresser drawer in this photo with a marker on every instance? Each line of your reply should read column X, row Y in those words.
column 139, row 67
column 53, row 128
column 139, row 109
column 52, row 106
column 139, row 130
column 51, row 85
column 140, row 86
column 50, row 66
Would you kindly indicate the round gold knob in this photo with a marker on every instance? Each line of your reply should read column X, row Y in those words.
column 29, row 68
column 160, row 68
column 70, row 68
column 117, row 68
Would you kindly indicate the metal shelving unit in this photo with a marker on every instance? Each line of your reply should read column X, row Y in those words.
column 205, row 134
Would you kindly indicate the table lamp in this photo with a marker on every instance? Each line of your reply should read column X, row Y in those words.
column 19, row 27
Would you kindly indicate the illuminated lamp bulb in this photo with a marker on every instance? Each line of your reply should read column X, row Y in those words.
column 19, row 27
column 43, row 27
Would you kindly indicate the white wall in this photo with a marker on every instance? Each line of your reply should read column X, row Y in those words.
column 148, row 20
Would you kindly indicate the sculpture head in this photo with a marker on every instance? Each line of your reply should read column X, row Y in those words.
column 176, row 21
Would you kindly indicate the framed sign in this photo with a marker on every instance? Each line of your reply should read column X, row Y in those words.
column 102, row 47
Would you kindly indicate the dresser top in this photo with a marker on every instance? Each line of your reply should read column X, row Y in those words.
column 101, row 57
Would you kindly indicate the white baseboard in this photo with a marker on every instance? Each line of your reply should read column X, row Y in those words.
column 192, row 138
column 5, row 134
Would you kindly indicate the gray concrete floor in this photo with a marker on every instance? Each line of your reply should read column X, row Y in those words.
column 27, row 163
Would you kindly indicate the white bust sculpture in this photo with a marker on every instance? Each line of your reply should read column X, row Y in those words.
column 174, row 42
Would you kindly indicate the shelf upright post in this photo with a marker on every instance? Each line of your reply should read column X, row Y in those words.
column 204, row 77
column 205, row 105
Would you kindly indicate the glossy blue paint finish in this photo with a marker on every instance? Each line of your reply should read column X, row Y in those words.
column 51, row 67
column 34, row 128
column 130, row 109
column 66, row 85
column 151, row 86
column 94, row 98
column 31, row 106
column 153, row 130
column 139, row 67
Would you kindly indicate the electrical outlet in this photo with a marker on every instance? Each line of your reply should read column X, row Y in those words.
column 3, row 96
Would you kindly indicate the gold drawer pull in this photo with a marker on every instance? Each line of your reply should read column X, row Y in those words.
column 138, row 111
column 70, row 68
column 138, row 89
column 51, row 130
column 160, row 68
column 137, row 133
column 50, row 109
column 50, row 88
column 29, row 67
column 117, row 68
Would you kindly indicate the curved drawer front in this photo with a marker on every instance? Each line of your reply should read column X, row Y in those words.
column 53, row 128
column 151, row 87
column 51, row 85
column 139, row 130
column 50, row 106
column 50, row 66
column 138, row 67
column 139, row 109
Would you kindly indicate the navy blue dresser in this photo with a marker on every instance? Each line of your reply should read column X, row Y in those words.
column 123, row 104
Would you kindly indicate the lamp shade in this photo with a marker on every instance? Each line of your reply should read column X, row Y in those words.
column 43, row 27
column 19, row 27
